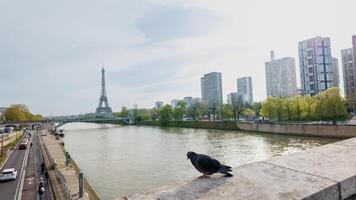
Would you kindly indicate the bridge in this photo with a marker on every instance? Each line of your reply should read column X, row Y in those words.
column 60, row 121
column 93, row 118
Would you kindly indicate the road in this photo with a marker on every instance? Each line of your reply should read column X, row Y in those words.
column 34, row 174
column 16, row 160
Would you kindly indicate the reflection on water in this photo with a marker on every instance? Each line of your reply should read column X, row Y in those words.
column 120, row 161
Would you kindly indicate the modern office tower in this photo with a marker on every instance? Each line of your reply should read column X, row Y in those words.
column 316, row 68
column 336, row 76
column 280, row 77
column 244, row 89
column 231, row 98
column 158, row 105
column 211, row 88
column 349, row 71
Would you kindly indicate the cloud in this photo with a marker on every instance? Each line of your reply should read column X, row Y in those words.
column 51, row 51
column 168, row 22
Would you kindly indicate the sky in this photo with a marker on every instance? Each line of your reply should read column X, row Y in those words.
column 51, row 52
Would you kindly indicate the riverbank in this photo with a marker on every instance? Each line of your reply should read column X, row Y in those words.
column 218, row 125
column 344, row 131
column 316, row 130
column 303, row 175
column 67, row 174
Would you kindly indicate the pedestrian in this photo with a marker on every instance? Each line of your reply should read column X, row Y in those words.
column 43, row 165
column 46, row 175
column 41, row 190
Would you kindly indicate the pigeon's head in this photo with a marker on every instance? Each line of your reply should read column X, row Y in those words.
column 191, row 155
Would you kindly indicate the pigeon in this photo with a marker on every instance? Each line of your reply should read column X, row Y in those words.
column 207, row 165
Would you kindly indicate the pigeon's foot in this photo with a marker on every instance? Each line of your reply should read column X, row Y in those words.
column 204, row 176
column 228, row 174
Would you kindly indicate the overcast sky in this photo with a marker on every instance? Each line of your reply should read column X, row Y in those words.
column 51, row 52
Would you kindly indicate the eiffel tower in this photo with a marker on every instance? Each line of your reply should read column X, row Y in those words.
column 103, row 98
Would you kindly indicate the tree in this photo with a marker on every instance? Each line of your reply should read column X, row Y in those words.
column 310, row 106
column 268, row 108
column 330, row 104
column 237, row 107
column 181, row 109
column 296, row 107
column 165, row 115
column 225, row 111
column 20, row 112
column 154, row 114
column 123, row 113
column 257, row 106
column 288, row 107
column 249, row 113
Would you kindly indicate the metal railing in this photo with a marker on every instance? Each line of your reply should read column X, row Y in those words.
column 64, row 184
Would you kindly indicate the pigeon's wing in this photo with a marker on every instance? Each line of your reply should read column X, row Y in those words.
column 207, row 164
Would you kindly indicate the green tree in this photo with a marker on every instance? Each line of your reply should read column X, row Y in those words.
column 269, row 108
column 257, row 106
column 165, row 115
column 297, row 107
column 225, row 111
column 310, row 104
column 123, row 113
column 237, row 107
column 181, row 109
column 330, row 104
column 248, row 113
column 154, row 115
column 20, row 112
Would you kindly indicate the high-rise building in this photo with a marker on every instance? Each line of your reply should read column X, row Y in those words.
column 231, row 98
column 349, row 71
column 211, row 88
column 280, row 77
column 354, row 48
column 158, row 105
column 316, row 68
column 336, row 76
column 244, row 89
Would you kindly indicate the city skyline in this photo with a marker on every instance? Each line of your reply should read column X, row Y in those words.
column 145, row 57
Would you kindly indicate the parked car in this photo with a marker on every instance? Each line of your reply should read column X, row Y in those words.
column 8, row 174
column 23, row 144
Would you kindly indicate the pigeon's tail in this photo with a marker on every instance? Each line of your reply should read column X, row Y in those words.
column 224, row 169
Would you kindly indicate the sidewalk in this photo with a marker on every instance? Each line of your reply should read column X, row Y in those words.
column 352, row 120
column 66, row 174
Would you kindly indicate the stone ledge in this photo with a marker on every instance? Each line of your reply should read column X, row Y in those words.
column 326, row 172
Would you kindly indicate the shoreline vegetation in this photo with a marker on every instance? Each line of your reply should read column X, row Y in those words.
column 217, row 125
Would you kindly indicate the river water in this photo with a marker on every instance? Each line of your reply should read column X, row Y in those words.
column 119, row 161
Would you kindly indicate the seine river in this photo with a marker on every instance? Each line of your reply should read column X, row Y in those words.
column 119, row 161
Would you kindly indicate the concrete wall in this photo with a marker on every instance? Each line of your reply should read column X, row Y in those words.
column 339, row 131
column 327, row 173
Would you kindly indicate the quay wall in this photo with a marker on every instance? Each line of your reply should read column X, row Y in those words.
column 318, row 130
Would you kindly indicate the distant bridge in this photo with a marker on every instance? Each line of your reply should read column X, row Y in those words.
column 18, row 124
column 116, row 120
column 60, row 121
